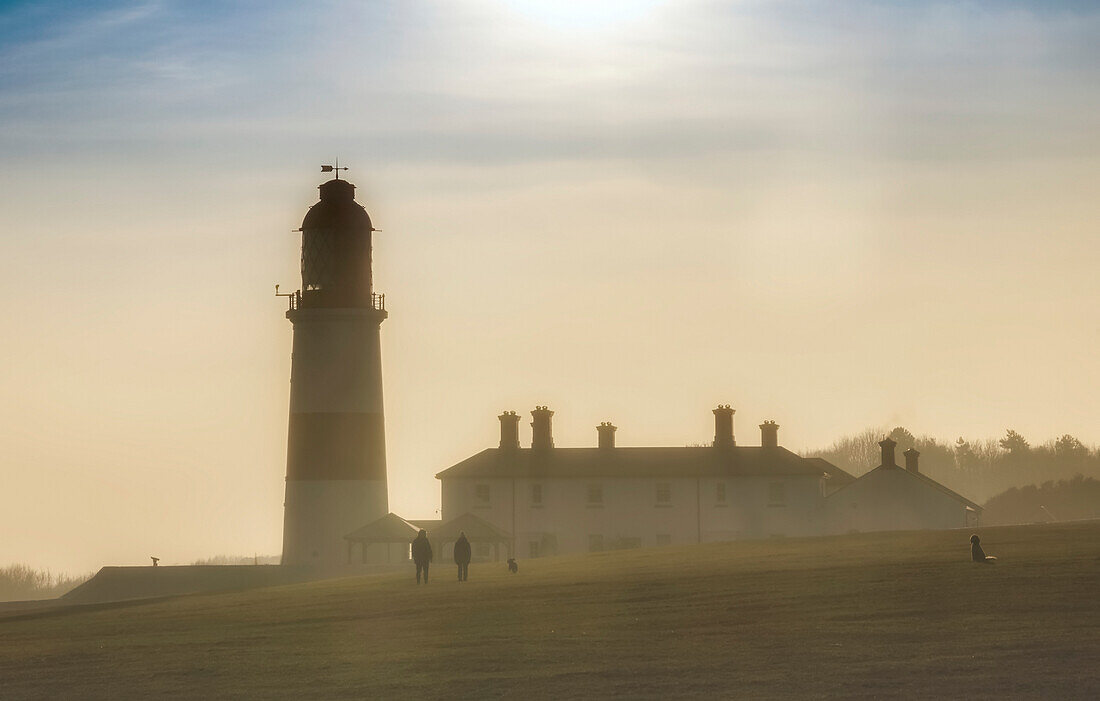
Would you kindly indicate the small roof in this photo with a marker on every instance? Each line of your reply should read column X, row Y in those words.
column 477, row 530
column 933, row 483
column 837, row 476
column 391, row 528
column 703, row 461
column 920, row 477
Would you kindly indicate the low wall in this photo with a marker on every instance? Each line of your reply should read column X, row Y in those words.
column 129, row 583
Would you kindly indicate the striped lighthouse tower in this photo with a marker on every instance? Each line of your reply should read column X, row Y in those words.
column 336, row 445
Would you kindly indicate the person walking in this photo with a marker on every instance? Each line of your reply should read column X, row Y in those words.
column 422, row 554
column 462, row 556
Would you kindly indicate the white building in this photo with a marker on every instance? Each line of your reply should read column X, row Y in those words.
column 560, row 500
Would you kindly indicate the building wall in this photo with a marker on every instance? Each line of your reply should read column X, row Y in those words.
column 761, row 507
column 891, row 500
column 556, row 516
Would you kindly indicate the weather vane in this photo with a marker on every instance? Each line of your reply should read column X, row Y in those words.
column 334, row 169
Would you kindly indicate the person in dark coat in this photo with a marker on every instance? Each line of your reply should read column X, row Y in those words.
column 462, row 557
column 422, row 554
column 976, row 551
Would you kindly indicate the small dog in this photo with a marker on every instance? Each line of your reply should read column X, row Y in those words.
column 976, row 551
column 512, row 566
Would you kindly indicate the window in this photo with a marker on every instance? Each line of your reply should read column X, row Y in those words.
column 319, row 270
column 720, row 493
column 664, row 494
column 595, row 498
column 664, row 539
column 536, row 495
column 481, row 495
column 483, row 550
column 533, row 548
column 595, row 543
column 777, row 494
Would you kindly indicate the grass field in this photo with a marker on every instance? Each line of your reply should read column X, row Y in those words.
column 878, row 615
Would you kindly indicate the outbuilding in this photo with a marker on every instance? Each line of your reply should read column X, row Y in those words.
column 390, row 537
column 895, row 498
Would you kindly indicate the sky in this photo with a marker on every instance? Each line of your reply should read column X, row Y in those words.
column 833, row 215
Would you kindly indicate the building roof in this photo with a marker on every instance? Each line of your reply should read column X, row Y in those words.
column 477, row 530
column 933, row 483
column 703, row 461
column 921, row 477
column 837, row 476
column 391, row 528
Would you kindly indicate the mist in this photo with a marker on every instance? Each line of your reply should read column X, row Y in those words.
column 875, row 216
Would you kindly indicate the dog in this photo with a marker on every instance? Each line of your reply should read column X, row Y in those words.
column 976, row 551
column 512, row 566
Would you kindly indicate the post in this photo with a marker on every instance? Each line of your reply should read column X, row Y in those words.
column 698, row 510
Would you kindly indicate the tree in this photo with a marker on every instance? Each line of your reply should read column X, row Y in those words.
column 903, row 438
column 1076, row 498
column 965, row 459
column 857, row 453
column 977, row 469
column 1069, row 448
column 1015, row 444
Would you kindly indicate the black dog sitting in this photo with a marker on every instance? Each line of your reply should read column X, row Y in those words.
column 512, row 566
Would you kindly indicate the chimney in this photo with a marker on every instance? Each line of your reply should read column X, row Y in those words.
column 723, row 427
column 911, row 457
column 542, row 435
column 888, row 446
column 769, row 434
column 607, row 434
column 509, row 430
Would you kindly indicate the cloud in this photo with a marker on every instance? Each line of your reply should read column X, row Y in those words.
column 476, row 84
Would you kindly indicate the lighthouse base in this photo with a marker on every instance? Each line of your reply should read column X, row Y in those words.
column 319, row 513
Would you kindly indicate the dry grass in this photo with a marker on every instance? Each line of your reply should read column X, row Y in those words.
column 885, row 615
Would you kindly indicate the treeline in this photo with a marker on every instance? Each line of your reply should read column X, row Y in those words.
column 239, row 560
column 1065, row 500
column 976, row 469
column 20, row 582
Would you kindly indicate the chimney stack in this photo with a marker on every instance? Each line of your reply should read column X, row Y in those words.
column 769, row 434
column 607, row 434
column 888, row 445
column 723, row 426
column 911, row 457
column 542, row 435
column 509, row 430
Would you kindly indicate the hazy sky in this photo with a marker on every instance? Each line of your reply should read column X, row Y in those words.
column 834, row 215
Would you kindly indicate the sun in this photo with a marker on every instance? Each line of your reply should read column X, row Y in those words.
column 582, row 14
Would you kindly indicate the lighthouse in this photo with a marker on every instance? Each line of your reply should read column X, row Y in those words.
column 336, row 442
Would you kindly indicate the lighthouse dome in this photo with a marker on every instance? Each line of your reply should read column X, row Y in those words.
column 336, row 249
column 337, row 210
